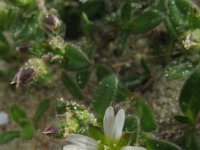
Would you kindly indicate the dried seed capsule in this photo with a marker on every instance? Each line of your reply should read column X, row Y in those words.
column 33, row 70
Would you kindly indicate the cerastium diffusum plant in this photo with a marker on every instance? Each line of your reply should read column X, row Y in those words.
column 105, row 53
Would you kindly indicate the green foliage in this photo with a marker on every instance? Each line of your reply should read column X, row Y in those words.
column 75, row 59
column 105, row 92
column 27, row 131
column 83, row 37
column 146, row 21
column 189, row 96
column 72, row 87
column 103, row 71
column 154, row 144
column 8, row 136
column 131, row 124
column 87, row 25
column 190, row 140
column 61, row 106
column 28, row 126
column 40, row 110
column 179, row 69
column 183, row 119
column 82, row 77
column 19, row 115
column 147, row 119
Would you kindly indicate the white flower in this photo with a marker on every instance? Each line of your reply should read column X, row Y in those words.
column 112, row 125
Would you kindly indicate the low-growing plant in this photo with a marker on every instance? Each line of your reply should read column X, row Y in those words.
column 89, row 45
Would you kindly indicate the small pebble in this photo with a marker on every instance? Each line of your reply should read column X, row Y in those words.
column 3, row 118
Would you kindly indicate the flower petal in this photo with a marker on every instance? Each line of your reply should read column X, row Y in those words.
column 108, row 122
column 71, row 147
column 118, row 124
column 133, row 148
column 83, row 142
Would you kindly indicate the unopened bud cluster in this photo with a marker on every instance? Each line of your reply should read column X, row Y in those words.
column 75, row 119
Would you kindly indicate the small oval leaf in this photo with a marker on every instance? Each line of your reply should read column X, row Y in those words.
column 148, row 123
column 189, row 101
column 75, row 58
column 19, row 115
column 8, row 136
column 146, row 22
column 105, row 93
column 28, row 131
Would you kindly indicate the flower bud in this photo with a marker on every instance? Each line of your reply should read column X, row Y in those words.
column 24, row 48
column 51, row 21
column 33, row 70
column 51, row 131
column 192, row 39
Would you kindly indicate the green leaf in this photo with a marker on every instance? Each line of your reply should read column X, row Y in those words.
column 122, row 93
column 179, row 68
column 126, row 15
column 90, row 50
column 154, row 144
column 82, row 77
column 131, row 124
column 75, row 58
column 134, row 81
column 132, row 128
column 146, row 22
column 121, row 42
column 191, row 140
column 183, row 119
column 176, row 15
column 41, row 109
column 87, row 25
column 105, row 93
column 8, row 14
column 28, row 131
column 71, row 86
column 103, row 71
column 8, row 136
column 148, row 123
column 18, row 115
column 170, row 28
column 180, row 13
column 189, row 101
